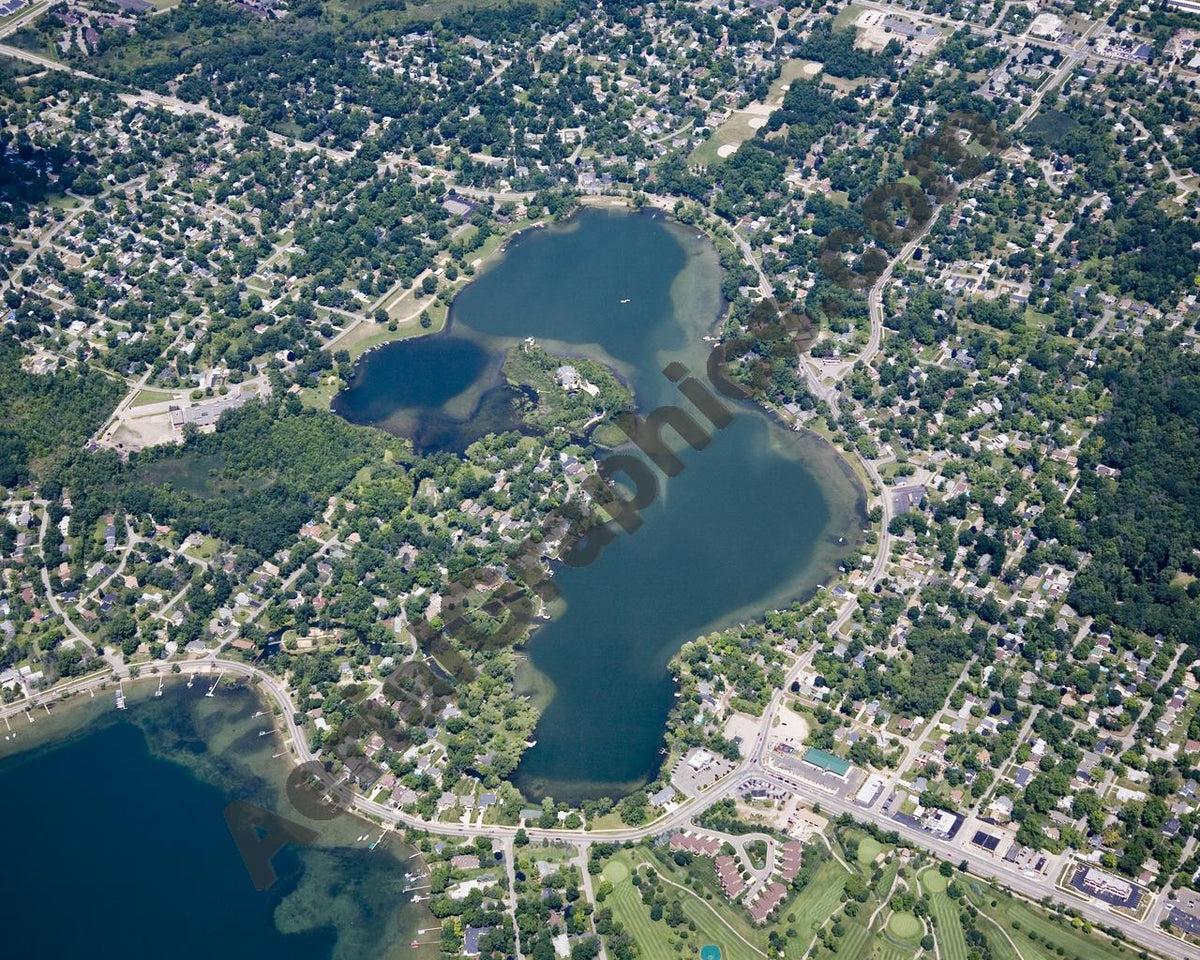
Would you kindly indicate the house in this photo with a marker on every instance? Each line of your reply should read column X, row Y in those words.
column 568, row 378
column 471, row 937
column 663, row 797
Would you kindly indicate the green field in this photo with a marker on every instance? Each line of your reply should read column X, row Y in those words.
column 847, row 17
column 905, row 926
column 654, row 937
column 150, row 396
column 1018, row 919
column 818, row 900
column 1001, row 948
column 206, row 549
column 868, row 849
column 894, row 935
column 856, row 941
column 738, row 129
column 951, row 940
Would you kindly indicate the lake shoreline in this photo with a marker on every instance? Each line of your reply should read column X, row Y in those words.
column 561, row 269
column 187, row 755
column 771, row 416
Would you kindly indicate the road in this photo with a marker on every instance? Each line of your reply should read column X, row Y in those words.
column 1073, row 56
column 72, row 628
column 147, row 97
column 986, row 866
column 981, row 863
column 31, row 13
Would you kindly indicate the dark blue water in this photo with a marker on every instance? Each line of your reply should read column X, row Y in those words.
column 749, row 523
column 465, row 401
column 115, row 849
column 136, row 853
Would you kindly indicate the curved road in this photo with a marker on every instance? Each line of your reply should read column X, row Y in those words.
column 982, row 864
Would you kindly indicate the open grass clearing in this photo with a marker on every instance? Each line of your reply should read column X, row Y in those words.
column 150, row 396
column 951, row 939
column 655, row 938
column 904, row 926
column 743, row 124
column 817, row 901
column 868, row 849
column 1018, row 919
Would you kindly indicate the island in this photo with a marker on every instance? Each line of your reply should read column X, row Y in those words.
column 833, row 589
column 574, row 394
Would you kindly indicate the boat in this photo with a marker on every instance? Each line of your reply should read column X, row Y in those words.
column 414, row 945
column 626, row 300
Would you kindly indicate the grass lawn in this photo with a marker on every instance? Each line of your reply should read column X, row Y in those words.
column 610, row 821
column 320, row 396
column 934, row 882
column 1001, row 948
column 150, row 396
column 547, row 853
column 370, row 334
column 889, row 951
column 738, row 129
column 733, row 916
column 817, row 901
column 951, row 940
column 1019, row 919
column 654, row 937
column 904, row 926
column 60, row 201
column 732, row 133
column 846, row 17
column 206, row 549
column 868, row 849
column 856, row 941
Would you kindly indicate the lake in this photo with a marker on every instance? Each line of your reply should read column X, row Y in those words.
column 117, row 845
column 758, row 518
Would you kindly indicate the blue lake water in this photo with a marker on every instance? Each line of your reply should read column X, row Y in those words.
column 116, row 843
column 756, row 519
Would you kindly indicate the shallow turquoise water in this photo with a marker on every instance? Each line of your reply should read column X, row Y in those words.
column 116, row 843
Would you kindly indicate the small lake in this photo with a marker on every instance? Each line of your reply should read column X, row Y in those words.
column 752, row 523
column 117, row 844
